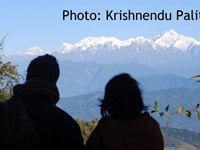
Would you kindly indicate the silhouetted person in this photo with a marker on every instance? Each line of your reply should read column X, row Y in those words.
column 123, row 125
column 30, row 120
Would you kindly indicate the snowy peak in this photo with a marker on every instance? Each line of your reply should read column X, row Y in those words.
column 167, row 38
column 34, row 51
column 171, row 32
column 65, row 48
column 172, row 39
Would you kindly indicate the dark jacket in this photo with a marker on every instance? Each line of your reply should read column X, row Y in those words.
column 56, row 129
column 41, row 125
column 126, row 134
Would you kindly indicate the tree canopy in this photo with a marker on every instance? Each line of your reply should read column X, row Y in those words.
column 87, row 127
column 8, row 75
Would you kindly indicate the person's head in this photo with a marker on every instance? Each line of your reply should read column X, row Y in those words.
column 44, row 67
column 122, row 98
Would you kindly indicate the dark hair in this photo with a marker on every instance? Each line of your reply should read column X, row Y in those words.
column 45, row 67
column 122, row 98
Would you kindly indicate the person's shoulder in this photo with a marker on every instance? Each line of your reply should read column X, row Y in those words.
column 64, row 116
column 62, row 112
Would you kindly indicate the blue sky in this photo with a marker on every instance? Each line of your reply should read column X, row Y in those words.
column 39, row 23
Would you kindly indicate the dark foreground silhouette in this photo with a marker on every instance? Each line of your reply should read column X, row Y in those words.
column 124, row 124
column 30, row 120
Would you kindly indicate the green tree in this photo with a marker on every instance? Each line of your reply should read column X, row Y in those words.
column 87, row 127
column 8, row 75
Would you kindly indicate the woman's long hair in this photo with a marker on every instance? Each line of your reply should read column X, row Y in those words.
column 122, row 98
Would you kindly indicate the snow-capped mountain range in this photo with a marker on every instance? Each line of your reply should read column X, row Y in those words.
column 168, row 39
column 167, row 47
